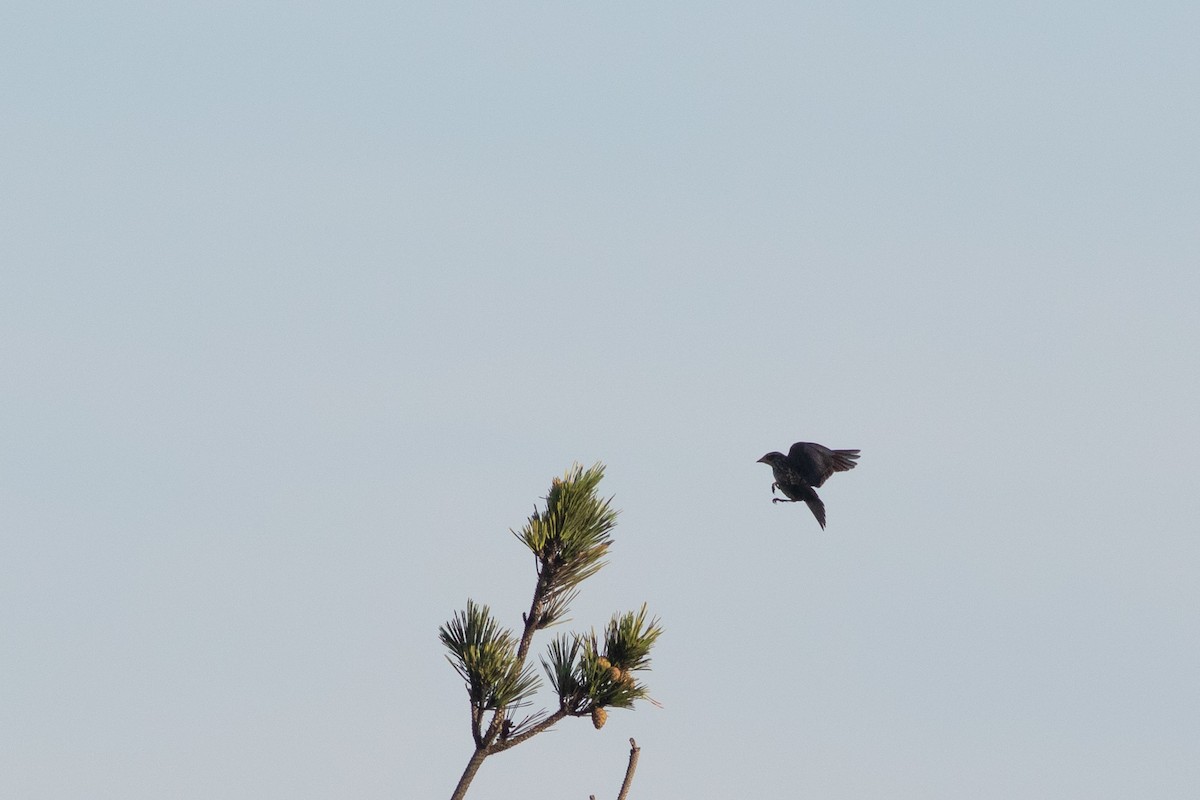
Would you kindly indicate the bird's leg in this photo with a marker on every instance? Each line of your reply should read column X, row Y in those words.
column 774, row 486
column 781, row 500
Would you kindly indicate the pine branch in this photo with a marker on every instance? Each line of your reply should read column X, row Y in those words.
column 569, row 539
column 546, row 724
column 476, row 724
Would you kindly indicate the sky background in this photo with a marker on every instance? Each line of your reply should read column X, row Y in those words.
column 304, row 304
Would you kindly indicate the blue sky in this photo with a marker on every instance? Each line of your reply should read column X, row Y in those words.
column 305, row 304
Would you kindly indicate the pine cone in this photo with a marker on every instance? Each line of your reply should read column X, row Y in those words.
column 599, row 717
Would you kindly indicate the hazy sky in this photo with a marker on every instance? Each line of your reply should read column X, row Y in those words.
column 304, row 304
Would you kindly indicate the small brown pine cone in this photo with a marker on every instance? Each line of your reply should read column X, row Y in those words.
column 599, row 717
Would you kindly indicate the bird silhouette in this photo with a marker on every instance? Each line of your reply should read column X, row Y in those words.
column 805, row 467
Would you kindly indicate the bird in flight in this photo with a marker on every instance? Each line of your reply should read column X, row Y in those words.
column 803, row 469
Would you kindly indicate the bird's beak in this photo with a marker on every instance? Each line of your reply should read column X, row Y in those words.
column 762, row 460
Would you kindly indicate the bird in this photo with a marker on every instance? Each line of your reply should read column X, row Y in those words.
column 806, row 466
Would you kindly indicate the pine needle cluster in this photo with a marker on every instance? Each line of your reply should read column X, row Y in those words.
column 485, row 655
column 569, row 539
column 587, row 675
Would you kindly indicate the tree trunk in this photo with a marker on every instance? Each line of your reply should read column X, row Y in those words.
column 468, row 775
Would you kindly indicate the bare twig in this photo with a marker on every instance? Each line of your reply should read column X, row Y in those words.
column 634, row 752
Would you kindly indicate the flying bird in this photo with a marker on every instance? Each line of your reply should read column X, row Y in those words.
column 806, row 466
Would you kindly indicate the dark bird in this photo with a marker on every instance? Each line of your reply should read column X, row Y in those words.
column 803, row 469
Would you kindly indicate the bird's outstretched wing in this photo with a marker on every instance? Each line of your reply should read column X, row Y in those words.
column 816, row 462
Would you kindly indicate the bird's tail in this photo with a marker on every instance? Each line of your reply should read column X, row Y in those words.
column 815, row 506
column 814, row 503
column 844, row 460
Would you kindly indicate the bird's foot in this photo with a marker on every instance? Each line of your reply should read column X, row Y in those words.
column 781, row 500
column 774, row 486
